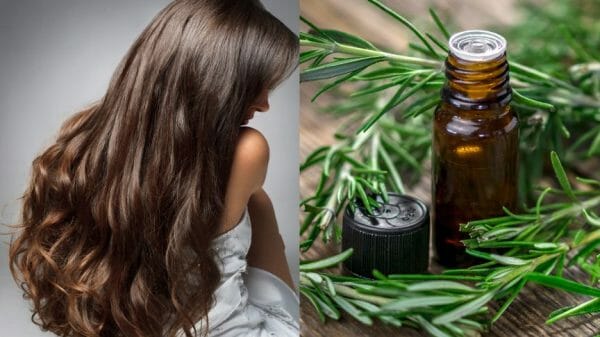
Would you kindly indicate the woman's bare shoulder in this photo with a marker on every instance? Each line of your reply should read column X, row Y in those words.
column 248, row 172
column 251, row 156
column 252, row 142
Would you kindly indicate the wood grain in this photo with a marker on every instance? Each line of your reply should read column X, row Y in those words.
column 527, row 314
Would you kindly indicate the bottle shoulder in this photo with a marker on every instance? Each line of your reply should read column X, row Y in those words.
column 475, row 123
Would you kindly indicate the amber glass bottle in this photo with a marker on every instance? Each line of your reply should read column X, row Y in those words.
column 475, row 141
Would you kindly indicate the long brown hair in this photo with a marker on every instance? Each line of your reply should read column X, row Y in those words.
column 117, row 220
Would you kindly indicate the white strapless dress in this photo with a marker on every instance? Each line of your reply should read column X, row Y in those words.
column 249, row 302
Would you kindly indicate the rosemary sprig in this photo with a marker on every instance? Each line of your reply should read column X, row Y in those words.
column 407, row 86
column 359, row 167
column 406, row 72
column 540, row 243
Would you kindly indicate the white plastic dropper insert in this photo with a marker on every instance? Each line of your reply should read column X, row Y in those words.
column 477, row 45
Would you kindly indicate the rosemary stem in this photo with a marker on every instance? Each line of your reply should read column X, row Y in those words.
column 595, row 235
column 395, row 176
column 517, row 274
column 374, row 149
column 361, row 139
column 542, row 75
column 332, row 203
column 348, row 292
column 357, row 51
column 352, row 293
column 574, row 210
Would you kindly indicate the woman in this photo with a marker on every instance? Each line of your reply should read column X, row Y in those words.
column 136, row 221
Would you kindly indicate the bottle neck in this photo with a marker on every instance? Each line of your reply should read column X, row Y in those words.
column 477, row 85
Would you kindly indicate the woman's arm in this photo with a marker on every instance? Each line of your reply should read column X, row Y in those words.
column 267, row 250
column 245, row 189
column 248, row 172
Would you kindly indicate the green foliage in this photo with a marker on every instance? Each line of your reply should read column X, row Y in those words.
column 384, row 141
column 358, row 168
column 551, row 99
column 455, row 303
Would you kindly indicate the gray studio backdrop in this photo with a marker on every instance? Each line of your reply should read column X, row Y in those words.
column 57, row 56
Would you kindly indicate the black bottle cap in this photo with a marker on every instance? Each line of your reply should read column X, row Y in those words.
column 393, row 240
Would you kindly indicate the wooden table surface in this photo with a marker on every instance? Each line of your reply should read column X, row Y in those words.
column 527, row 314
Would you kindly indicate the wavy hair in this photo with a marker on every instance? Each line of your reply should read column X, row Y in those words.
column 118, row 216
